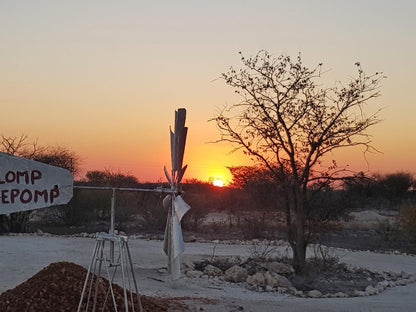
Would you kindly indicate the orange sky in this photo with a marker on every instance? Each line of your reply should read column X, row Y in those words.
column 103, row 78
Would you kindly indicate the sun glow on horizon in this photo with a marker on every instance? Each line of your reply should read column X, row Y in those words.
column 218, row 182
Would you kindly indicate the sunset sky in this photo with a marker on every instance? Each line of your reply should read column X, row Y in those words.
column 103, row 78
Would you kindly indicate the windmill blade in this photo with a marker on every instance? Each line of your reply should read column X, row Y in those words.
column 180, row 146
column 173, row 240
column 181, row 207
column 180, row 117
column 180, row 174
column 167, row 175
column 177, row 238
column 167, row 201
column 179, row 137
column 173, row 150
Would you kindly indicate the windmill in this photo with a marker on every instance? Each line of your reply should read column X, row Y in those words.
column 173, row 244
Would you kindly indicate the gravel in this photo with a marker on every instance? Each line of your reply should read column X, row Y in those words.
column 58, row 287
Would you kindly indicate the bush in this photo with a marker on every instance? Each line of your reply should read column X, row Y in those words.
column 150, row 213
column 87, row 206
column 407, row 225
column 15, row 222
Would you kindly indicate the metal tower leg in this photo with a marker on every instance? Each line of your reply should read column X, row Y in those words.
column 127, row 273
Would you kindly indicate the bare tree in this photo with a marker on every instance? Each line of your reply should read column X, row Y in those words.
column 59, row 157
column 288, row 123
column 18, row 146
column 55, row 156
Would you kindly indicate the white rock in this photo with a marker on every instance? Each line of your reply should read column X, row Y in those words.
column 236, row 274
column 211, row 270
column 370, row 290
column 279, row 280
column 193, row 274
column 256, row 279
column 298, row 293
column 278, row 267
column 392, row 283
column 401, row 282
column 380, row 287
column 360, row 293
column 187, row 265
column 339, row 295
column 314, row 294
column 384, row 283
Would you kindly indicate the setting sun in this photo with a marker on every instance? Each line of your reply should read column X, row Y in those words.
column 218, row 182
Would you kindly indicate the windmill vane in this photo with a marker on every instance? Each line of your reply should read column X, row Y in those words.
column 173, row 244
column 177, row 144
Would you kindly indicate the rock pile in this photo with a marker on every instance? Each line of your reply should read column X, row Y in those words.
column 58, row 288
column 275, row 276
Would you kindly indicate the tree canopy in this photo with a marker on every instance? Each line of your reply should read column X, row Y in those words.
column 288, row 121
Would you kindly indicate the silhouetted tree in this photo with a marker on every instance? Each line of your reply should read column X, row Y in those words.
column 379, row 191
column 397, row 185
column 109, row 178
column 259, row 184
column 59, row 157
column 289, row 122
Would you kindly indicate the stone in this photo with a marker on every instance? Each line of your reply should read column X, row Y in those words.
column 256, row 279
column 211, row 270
column 190, row 239
column 339, row 294
column 193, row 274
column 360, row 293
column 384, row 284
column 401, row 282
column 298, row 293
column 278, row 268
column 392, row 283
column 370, row 290
column 278, row 280
column 269, row 279
column 380, row 287
column 236, row 274
column 187, row 265
column 314, row 294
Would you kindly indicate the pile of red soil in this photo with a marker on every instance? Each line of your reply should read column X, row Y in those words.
column 58, row 288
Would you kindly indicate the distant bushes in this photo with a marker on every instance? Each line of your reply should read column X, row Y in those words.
column 253, row 210
column 378, row 191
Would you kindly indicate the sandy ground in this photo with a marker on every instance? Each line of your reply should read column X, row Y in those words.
column 23, row 256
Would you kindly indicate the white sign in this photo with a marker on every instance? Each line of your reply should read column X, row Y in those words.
column 27, row 184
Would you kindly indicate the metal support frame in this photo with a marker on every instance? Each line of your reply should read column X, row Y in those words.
column 173, row 264
column 93, row 278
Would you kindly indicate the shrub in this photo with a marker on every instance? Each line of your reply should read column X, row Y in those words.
column 407, row 225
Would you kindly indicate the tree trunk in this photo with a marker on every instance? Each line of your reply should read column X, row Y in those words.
column 299, row 250
column 299, row 242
